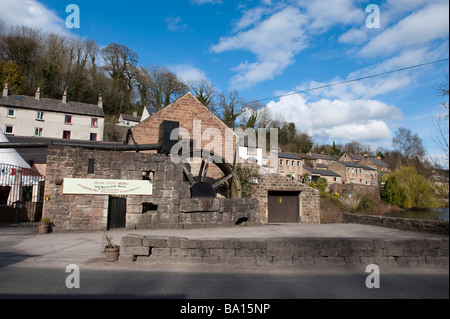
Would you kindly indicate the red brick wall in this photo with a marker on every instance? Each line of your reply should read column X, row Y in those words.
column 186, row 110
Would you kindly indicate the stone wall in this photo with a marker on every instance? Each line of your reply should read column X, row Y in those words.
column 309, row 197
column 283, row 251
column 415, row 225
column 170, row 206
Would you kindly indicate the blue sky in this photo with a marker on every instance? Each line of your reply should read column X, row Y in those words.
column 266, row 48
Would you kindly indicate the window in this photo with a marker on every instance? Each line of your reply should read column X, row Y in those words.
column 11, row 113
column 68, row 119
column 93, row 137
column 293, row 163
column 94, row 121
column 281, row 162
column 9, row 129
column 40, row 116
column 66, row 135
column 298, row 163
column 334, row 179
column 252, row 151
column 38, row 131
column 287, row 162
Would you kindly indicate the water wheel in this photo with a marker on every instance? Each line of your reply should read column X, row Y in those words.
column 223, row 180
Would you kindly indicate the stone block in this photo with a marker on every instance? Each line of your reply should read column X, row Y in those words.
column 320, row 260
column 132, row 240
column 160, row 252
column 282, row 261
column 136, row 251
column 156, row 241
column 441, row 260
column 443, row 252
column 213, row 243
column 232, row 244
column 352, row 260
column 210, row 259
column 336, row 260
column 330, row 252
column 394, row 252
column 253, row 244
column 127, row 259
column 174, row 242
column 190, row 243
column 223, row 253
column 303, row 260
column 179, row 252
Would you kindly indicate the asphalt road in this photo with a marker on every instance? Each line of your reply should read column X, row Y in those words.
column 223, row 283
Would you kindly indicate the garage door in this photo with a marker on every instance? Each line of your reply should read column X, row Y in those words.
column 284, row 207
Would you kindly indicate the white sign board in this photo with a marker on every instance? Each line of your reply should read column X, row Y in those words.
column 107, row 187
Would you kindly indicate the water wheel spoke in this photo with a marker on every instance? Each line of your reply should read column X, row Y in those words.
column 221, row 181
column 205, row 165
column 188, row 174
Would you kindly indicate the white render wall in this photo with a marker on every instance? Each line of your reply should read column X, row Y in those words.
column 243, row 153
column 25, row 124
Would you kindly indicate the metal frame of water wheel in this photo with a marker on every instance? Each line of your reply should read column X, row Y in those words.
column 227, row 169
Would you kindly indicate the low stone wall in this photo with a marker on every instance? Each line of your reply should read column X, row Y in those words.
column 204, row 213
column 415, row 225
column 283, row 251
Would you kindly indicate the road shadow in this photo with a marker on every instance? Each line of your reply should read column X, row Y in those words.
column 10, row 258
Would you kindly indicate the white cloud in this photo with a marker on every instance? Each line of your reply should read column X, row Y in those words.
column 187, row 72
column 275, row 41
column 354, row 36
column 32, row 13
column 276, row 33
column 327, row 13
column 419, row 28
column 362, row 120
column 174, row 24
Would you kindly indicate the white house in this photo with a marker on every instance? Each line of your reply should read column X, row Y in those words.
column 127, row 120
column 42, row 117
column 148, row 111
column 249, row 150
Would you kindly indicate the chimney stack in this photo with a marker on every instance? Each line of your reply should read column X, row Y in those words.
column 64, row 98
column 5, row 90
column 38, row 94
column 100, row 101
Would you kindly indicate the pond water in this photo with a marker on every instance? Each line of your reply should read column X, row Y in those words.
column 434, row 214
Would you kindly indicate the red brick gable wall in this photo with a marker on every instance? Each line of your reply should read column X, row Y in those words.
column 186, row 110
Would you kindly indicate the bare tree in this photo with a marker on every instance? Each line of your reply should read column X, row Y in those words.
column 158, row 86
column 205, row 92
column 230, row 107
column 441, row 125
column 409, row 145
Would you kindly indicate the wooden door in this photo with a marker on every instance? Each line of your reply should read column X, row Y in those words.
column 117, row 211
column 284, row 206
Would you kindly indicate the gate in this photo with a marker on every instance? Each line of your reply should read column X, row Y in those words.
column 283, row 207
column 21, row 196
column 117, row 211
